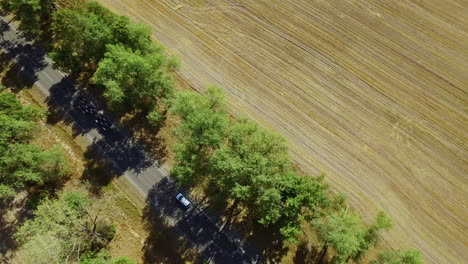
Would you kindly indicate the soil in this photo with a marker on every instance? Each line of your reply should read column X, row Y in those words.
column 371, row 92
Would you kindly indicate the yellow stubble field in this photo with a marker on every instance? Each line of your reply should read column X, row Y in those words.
column 372, row 92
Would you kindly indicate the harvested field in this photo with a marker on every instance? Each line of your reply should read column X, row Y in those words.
column 372, row 92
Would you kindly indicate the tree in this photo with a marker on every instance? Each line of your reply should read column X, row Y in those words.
column 82, row 34
column 398, row 257
column 252, row 168
column 103, row 257
column 22, row 164
column 246, row 165
column 343, row 231
column 17, row 122
column 66, row 227
column 26, row 165
column 372, row 234
column 80, row 37
column 133, row 80
column 202, row 128
column 303, row 198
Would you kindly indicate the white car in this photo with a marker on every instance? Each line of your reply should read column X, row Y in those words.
column 183, row 201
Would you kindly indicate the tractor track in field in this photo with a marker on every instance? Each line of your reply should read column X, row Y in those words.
column 374, row 93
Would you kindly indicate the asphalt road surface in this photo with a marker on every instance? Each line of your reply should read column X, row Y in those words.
column 113, row 141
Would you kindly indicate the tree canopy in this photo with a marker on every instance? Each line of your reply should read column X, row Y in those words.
column 81, row 35
column 66, row 227
column 133, row 80
column 398, row 257
column 22, row 164
column 343, row 231
column 202, row 128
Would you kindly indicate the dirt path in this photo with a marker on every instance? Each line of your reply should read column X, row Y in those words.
column 372, row 92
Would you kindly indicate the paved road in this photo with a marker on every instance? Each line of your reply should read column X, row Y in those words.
column 113, row 141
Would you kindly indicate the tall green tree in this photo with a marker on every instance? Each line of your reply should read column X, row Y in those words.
column 398, row 257
column 82, row 34
column 246, row 165
column 80, row 37
column 22, row 164
column 133, row 81
column 372, row 235
column 17, row 123
column 202, row 128
column 252, row 168
column 303, row 198
column 341, row 230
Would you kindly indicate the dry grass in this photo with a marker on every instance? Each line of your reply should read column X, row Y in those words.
column 371, row 92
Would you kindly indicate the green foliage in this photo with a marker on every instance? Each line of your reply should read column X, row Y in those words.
column 17, row 123
column 302, row 198
column 22, row 164
column 246, row 165
column 6, row 192
column 372, row 234
column 398, row 257
column 72, row 4
column 67, row 227
column 203, row 127
column 343, row 231
column 155, row 118
column 102, row 257
column 133, row 80
column 252, row 166
column 81, row 35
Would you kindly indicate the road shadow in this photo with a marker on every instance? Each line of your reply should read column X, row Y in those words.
column 164, row 243
column 20, row 61
column 135, row 122
column 265, row 244
column 65, row 104
column 197, row 227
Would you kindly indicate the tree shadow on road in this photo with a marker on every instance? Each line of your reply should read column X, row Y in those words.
column 197, row 227
column 20, row 61
column 109, row 146
column 164, row 244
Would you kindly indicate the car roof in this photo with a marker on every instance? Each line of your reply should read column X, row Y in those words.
column 182, row 199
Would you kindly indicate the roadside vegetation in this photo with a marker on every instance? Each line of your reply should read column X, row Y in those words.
column 57, row 226
column 233, row 162
column 24, row 165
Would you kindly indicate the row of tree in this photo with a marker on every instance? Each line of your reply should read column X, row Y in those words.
column 246, row 164
column 250, row 167
column 117, row 55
